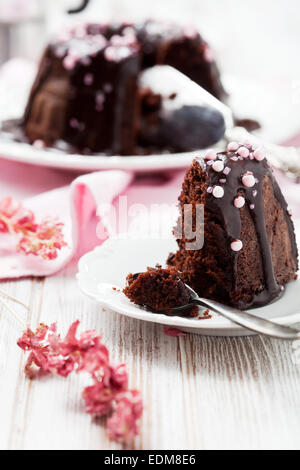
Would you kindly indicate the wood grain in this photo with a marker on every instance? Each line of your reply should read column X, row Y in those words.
column 199, row 392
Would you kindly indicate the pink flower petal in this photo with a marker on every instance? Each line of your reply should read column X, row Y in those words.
column 173, row 332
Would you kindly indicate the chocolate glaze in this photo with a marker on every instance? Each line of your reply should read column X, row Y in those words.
column 230, row 216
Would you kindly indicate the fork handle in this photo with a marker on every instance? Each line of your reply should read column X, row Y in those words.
column 250, row 321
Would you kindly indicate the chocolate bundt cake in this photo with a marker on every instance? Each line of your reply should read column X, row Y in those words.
column 86, row 90
column 249, row 251
column 157, row 289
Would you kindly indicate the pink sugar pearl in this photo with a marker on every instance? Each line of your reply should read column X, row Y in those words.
column 218, row 166
column 218, row 192
column 69, row 62
column 39, row 144
column 237, row 245
column 243, row 152
column 88, row 79
column 211, row 155
column 239, row 202
column 259, row 154
column 232, row 146
column 227, row 170
column 248, row 180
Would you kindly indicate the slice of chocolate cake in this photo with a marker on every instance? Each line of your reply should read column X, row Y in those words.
column 157, row 289
column 249, row 251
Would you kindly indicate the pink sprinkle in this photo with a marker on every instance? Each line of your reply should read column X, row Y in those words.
column 80, row 31
column 69, row 62
column 234, row 159
column 107, row 88
column 88, row 79
column 100, row 98
column 232, row 146
column 86, row 61
column 239, row 202
column 222, row 180
column 226, row 170
column 208, row 54
column 74, row 123
column 248, row 180
column 218, row 166
column 211, row 155
column 237, row 245
column 243, row 152
column 117, row 53
column 209, row 189
column 39, row 144
column 173, row 332
column 60, row 52
column 254, row 193
column 190, row 31
column 252, row 206
column 218, row 192
column 74, row 53
column 209, row 163
column 259, row 154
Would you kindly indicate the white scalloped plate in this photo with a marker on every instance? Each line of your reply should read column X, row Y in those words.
column 106, row 268
column 25, row 153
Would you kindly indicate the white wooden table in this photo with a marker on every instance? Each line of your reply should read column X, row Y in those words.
column 199, row 392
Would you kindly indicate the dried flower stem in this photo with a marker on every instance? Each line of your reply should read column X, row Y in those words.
column 14, row 299
column 15, row 315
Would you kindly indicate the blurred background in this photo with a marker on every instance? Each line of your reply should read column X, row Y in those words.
column 250, row 36
column 253, row 39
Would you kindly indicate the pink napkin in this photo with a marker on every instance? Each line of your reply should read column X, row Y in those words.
column 74, row 201
column 74, row 206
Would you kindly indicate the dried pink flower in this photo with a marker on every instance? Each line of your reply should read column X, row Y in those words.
column 122, row 425
column 98, row 399
column 173, row 332
column 49, row 353
column 44, row 239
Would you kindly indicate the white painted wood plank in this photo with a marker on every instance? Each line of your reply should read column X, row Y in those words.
column 10, row 358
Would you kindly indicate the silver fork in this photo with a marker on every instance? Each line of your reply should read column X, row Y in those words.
column 247, row 320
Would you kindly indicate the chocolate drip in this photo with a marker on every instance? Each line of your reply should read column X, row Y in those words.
column 230, row 217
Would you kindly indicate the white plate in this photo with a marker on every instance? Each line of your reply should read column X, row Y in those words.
column 108, row 265
column 276, row 127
